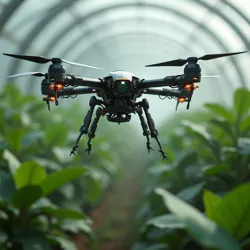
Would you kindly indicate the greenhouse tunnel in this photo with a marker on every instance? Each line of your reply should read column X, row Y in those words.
column 118, row 35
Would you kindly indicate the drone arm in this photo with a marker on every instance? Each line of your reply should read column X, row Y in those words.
column 167, row 92
column 163, row 82
column 83, row 81
column 76, row 91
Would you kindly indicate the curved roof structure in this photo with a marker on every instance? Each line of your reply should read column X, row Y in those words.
column 129, row 34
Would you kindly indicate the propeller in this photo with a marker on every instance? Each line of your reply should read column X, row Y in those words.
column 181, row 62
column 39, row 74
column 42, row 59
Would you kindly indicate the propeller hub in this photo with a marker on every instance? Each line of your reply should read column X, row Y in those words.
column 192, row 60
column 56, row 60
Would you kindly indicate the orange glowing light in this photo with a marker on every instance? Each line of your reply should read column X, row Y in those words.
column 59, row 86
column 52, row 98
column 52, row 86
column 181, row 99
column 189, row 87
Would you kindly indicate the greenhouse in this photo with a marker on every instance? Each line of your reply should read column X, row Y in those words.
column 125, row 125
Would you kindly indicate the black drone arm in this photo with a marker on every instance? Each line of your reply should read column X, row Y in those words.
column 70, row 91
column 169, row 81
column 83, row 81
column 167, row 92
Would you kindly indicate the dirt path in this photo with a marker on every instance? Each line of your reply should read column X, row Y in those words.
column 113, row 220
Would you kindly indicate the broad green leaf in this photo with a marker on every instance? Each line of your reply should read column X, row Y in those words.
column 77, row 226
column 55, row 135
column 211, row 202
column 62, row 213
column 65, row 243
column 61, row 177
column 203, row 230
column 205, row 138
column 29, row 173
column 13, row 137
column 188, row 194
column 225, row 127
column 241, row 102
column 221, row 111
column 13, row 162
column 169, row 221
column 212, row 170
column 26, row 196
column 245, row 124
column 232, row 214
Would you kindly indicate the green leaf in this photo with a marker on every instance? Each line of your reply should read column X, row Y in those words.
column 65, row 243
column 29, row 173
column 61, row 177
column 225, row 127
column 241, row 102
column 205, row 138
column 26, row 196
column 216, row 169
column 221, row 111
column 13, row 162
column 13, row 137
column 188, row 194
column 62, row 213
column 203, row 230
column 169, row 221
column 211, row 202
column 55, row 135
column 245, row 124
column 232, row 214
column 77, row 226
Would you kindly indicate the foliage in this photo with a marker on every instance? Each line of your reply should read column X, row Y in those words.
column 206, row 178
column 43, row 188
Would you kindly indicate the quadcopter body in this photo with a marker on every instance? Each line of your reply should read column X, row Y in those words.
column 118, row 92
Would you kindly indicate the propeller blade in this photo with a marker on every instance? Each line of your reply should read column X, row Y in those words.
column 42, row 59
column 81, row 65
column 214, row 56
column 211, row 76
column 37, row 59
column 178, row 62
column 27, row 74
column 181, row 62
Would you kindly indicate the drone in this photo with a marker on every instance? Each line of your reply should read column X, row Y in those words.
column 118, row 92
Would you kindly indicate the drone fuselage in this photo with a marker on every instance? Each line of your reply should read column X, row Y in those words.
column 119, row 95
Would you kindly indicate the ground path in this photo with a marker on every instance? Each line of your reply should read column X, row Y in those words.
column 113, row 220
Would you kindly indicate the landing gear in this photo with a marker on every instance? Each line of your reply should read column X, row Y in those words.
column 153, row 132
column 86, row 124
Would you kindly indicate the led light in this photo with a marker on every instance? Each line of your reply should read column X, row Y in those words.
column 52, row 98
column 59, row 86
column 52, row 86
column 181, row 99
column 189, row 87
column 122, row 82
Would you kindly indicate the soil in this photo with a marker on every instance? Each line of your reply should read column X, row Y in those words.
column 113, row 221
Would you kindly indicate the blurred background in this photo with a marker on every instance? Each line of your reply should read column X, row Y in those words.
column 127, row 35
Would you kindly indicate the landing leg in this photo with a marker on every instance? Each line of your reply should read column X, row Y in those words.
column 144, row 127
column 93, row 128
column 151, row 124
column 86, row 123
